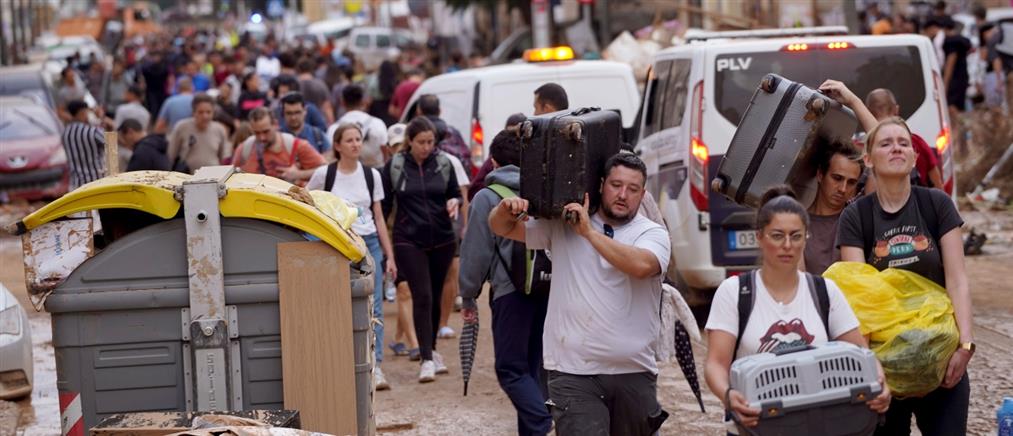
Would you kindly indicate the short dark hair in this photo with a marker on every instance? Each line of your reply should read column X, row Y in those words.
column 779, row 199
column 76, row 106
column 306, row 65
column 506, row 148
column 284, row 79
column 553, row 94
column 846, row 150
column 287, row 59
column 136, row 90
column 429, row 105
column 130, row 125
column 628, row 160
column 202, row 98
column 352, row 95
column 418, row 125
column 293, row 98
column 259, row 114
column 515, row 119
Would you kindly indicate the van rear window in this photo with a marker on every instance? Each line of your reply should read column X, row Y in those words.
column 898, row 69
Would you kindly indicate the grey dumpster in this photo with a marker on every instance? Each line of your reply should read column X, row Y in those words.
column 119, row 322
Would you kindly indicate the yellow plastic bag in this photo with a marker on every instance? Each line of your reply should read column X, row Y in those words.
column 909, row 321
column 340, row 210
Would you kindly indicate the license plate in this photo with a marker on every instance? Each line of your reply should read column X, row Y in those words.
column 742, row 240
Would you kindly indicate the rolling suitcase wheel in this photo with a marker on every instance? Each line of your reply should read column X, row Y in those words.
column 769, row 83
column 817, row 106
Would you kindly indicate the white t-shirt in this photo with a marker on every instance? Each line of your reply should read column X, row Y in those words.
column 772, row 324
column 374, row 135
column 600, row 320
column 352, row 187
column 462, row 177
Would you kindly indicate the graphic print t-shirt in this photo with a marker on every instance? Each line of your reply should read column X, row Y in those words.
column 774, row 326
column 903, row 239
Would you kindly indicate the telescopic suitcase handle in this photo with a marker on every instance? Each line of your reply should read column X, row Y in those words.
column 792, row 349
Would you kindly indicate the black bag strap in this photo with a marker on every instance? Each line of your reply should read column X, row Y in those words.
column 865, row 210
column 820, row 296
column 368, row 173
column 746, row 299
column 332, row 172
column 924, row 198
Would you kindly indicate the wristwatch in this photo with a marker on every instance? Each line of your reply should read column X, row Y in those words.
column 969, row 346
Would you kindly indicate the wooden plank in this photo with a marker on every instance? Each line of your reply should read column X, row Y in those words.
column 112, row 154
column 317, row 358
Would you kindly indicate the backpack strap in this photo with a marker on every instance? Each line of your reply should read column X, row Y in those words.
column 865, row 210
column 397, row 171
column 332, row 173
column 746, row 299
column 247, row 148
column 924, row 198
column 502, row 190
column 818, row 291
column 368, row 173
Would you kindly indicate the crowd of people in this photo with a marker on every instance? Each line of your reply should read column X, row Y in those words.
column 574, row 353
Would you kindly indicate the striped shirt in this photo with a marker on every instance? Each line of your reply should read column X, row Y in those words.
column 85, row 147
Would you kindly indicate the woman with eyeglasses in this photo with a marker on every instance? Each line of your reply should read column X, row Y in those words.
column 786, row 311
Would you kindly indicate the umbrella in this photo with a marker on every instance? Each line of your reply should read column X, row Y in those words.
column 684, row 353
column 469, row 342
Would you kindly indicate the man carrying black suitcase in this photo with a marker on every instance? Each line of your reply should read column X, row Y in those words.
column 604, row 301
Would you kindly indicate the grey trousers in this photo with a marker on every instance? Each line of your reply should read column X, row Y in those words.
column 616, row 405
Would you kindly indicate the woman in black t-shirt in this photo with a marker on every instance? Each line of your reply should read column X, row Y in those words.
column 916, row 229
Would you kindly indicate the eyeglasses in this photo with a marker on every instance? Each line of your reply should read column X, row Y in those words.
column 608, row 230
column 795, row 238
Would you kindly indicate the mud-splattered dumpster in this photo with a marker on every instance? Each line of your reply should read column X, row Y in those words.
column 183, row 314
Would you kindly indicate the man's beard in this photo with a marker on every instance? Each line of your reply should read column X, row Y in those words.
column 607, row 211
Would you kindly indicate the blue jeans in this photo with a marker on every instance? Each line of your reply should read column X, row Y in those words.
column 373, row 244
column 517, row 325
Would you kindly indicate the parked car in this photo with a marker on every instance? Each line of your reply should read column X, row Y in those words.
column 15, row 348
column 33, row 164
column 696, row 94
column 373, row 45
column 28, row 81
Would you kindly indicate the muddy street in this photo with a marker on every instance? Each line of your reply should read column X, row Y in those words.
column 439, row 408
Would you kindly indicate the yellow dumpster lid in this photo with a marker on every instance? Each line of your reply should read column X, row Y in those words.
column 267, row 198
column 249, row 196
column 149, row 191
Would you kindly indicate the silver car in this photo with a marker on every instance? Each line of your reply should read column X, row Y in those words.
column 15, row 348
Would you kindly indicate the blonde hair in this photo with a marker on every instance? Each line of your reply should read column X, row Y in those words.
column 870, row 139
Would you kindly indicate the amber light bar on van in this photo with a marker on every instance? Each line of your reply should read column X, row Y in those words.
column 804, row 46
column 561, row 53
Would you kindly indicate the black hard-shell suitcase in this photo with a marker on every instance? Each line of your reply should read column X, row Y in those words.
column 563, row 156
column 786, row 129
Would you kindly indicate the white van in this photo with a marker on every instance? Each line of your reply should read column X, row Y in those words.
column 478, row 101
column 696, row 94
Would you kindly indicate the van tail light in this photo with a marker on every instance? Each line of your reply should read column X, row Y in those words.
column 943, row 139
column 699, row 154
column 477, row 147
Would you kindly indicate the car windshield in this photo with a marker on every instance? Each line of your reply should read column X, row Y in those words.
column 25, row 123
column 898, row 69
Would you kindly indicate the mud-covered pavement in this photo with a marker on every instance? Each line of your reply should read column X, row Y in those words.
column 440, row 409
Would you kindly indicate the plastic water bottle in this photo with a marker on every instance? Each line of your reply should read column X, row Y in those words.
column 1005, row 417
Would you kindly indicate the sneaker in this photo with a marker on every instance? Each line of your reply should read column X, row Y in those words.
column 446, row 332
column 441, row 368
column 427, row 372
column 414, row 355
column 379, row 381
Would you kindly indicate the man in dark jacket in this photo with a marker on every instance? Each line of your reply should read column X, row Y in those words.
column 517, row 317
column 149, row 150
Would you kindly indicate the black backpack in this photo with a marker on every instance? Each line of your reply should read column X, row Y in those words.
column 747, row 297
column 332, row 172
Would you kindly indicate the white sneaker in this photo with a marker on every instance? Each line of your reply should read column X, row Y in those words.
column 441, row 368
column 379, row 381
column 446, row 332
column 390, row 291
column 427, row 372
